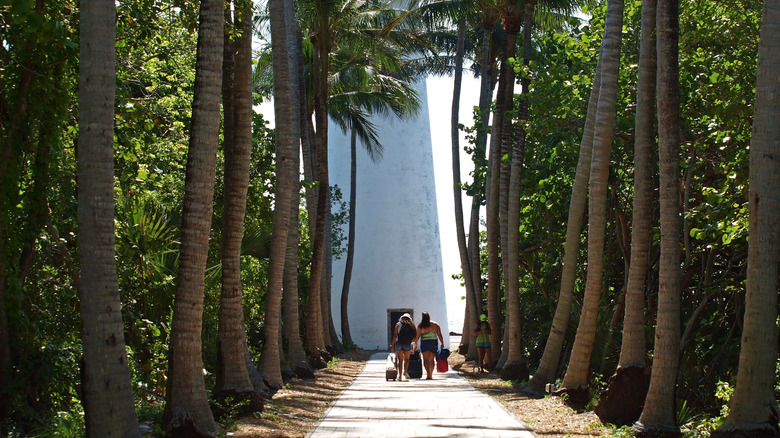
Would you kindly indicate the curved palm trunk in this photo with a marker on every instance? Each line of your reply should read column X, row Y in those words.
column 632, row 352
column 629, row 382
column 575, row 381
column 470, row 320
column 292, row 334
column 295, row 352
column 752, row 407
column 232, row 375
column 328, row 330
column 548, row 366
column 314, row 333
column 186, row 409
column 658, row 415
column 345, row 334
column 107, row 392
column 503, row 135
column 288, row 135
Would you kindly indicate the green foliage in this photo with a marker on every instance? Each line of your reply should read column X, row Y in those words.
column 349, row 345
column 332, row 363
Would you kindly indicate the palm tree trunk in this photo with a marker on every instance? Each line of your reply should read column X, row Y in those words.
column 314, row 332
column 658, row 415
column 629, row 383
column 288, row 135
column 576, row 377
column 345, row 334
column 752, row 407
column 232, row 376
column 503, row 134
column 465, row 264
column 107, row 391
column 295, row 352
column 493, row 188
column 548, row 366
column 632, row 352
column 186, row 408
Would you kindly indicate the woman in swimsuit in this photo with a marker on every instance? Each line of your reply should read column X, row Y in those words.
column 427, row 332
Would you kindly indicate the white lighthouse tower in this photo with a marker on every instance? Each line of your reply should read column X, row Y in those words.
column 397, row 260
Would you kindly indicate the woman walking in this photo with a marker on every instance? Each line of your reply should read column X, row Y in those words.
column 427, row 332
column 405, row 332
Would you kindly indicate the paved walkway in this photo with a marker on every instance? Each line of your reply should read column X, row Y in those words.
column 447, row 406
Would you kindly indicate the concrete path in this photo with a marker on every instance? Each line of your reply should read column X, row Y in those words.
column 447, row 406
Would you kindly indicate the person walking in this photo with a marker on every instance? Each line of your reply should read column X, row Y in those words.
column 482, row 334
column 427, row 332
column 405, row 333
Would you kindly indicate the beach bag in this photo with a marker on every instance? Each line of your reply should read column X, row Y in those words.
column 442, row 354
column 442, row 366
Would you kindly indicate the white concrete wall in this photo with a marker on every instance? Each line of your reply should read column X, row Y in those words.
column 398, row 260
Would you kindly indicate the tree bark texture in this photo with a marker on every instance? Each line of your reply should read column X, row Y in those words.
column 632, row 352
column 548, row 366
column 187, row 409
column 107, row 391
column 231, row 373
column 577, row 372
column 288, row 135
column 658, row 415
column 753, row 407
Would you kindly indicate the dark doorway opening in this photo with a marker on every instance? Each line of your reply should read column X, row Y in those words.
column 392, row 318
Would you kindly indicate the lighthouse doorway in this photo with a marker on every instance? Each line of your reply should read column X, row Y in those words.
column 392, row 318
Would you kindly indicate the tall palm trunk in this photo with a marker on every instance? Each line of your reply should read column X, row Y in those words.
column 658, row 415
column 503, row 135
column 295, row 353
column 575, row 381
column 753, row 408
column 328, row 330
column 107, row 392
column 470, row 320
column 186, row 408
column 288, row 135
column 485, row 96
column 314, row 333
column 622, row 402
column 548, row 366
column 232, row 375
column 346, row 336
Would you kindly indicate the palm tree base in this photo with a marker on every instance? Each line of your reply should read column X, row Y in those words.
column 576, row 398
column 514, row 371
column 655, row 431
column 231, row 402
column 621, row 403
column 765, row 430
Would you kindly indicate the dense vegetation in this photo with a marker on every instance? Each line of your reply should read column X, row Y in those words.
column 41, row 362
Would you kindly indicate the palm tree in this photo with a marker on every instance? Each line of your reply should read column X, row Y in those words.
column 575, row 382
column 501, row 138
column 232, row 376
column 658, row 415
column 108, row 395
column 548, row 365
column 288, row 137
column 752, row 407
column 622, row 402
column 186, row 408
column 296, row 355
